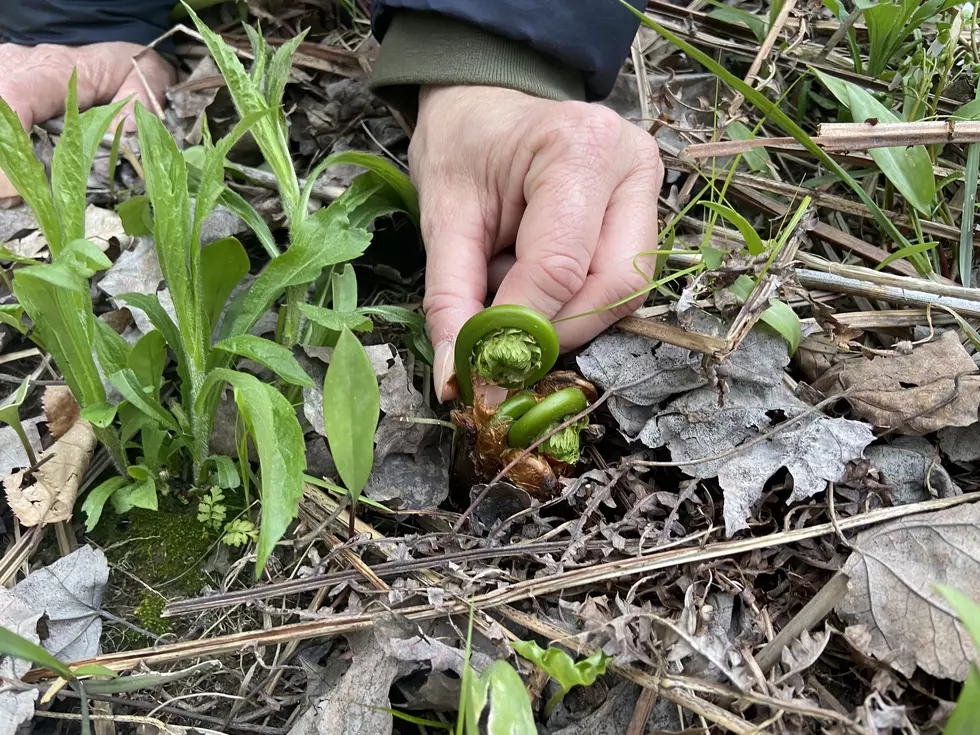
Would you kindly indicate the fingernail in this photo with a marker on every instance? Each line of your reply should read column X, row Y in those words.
column 442, row 370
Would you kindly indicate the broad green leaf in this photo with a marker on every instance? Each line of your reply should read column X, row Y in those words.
column 223, row 265
column 784, row 320
column 272, row 422
column 274, row 356
column 367, row 198
column 343, row 286
column 149, row 304
column 59, row 304
column 136, row 495
column 908, row 169
column 386, row 171
column 127, row 383
column 13, row 645
column 10, row 406
column 136, row 216
column 969, row 111
column 965, row 717
column 336, row 320
column 782, row 120
column 351, row 407
column 84, row 257
column 96, row 499
column 100, row 415
column 248, row 99
column 752, row 240
column 153, row 438
column 325, row 238
column 147, row 361
column 561, row 667
column 12, row 315
column 510, row 708
column 225, row 471
column 757, row 158
column 26, row 173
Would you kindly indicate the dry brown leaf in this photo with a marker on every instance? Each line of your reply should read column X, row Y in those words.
column 51, row 497
column 937, row 385
column 892, row 606
column 61, row 410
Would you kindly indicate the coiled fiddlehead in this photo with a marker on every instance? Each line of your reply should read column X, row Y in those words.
column 506, row 345
column 544, row 416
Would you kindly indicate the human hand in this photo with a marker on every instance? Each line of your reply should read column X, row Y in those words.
column 34, row 81
column 571, row 186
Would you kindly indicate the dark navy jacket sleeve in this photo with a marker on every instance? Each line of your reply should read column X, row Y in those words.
column 592, row 36
column 79, row 22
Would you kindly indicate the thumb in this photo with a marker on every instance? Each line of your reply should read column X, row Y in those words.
column 456, row 239
column 158, row 75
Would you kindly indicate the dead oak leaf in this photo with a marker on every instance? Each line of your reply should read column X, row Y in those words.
column 935, row 386
column 61, row 410
column 51, row 497
column 891, row 597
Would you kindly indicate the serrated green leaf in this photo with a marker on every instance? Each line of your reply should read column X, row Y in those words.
column 277, row 358
column 136, row 215
column 26, row 173
column 127, row 383
column 14, row 645
column 223, row 265
column 325, row 238
column 351, row 407
column 753, row 242
column 336, row 320
column 96, row 499
column 908, row 169
column 272, row 422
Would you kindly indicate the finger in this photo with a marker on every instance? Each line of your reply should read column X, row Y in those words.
column 147, row 86
column 629, row 228
column 570, row 180
column 498, row 269
column 455, row 275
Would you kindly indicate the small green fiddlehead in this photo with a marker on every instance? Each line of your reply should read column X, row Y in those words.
column 506, row 345
column 542, row 418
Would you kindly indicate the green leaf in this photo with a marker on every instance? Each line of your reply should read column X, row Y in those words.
column 966, row 609
column 94, row 670
column 752, row 240
column 325, row 238
column 784, row 320
column 909, row 169
column 12, row 315
column 72, row 161
column 277, row 358
column 136, row 495
column 561, row 667
column 8, row 255
column 13, row 645
column 96, row 499
column 147, row 360
column 127, row 383
column 757, row 158
column 272, row 422
column 965, row 717
column 223, row 265
column 908, row 252
column 59, row 304
column 10, row 406
column 180, row 259
column 729, row 14
column 26, row 173
column 351, row 406
column 225, row 471
column 149, row 304
column 343, row 286
column 84, row 257
column 336, row 320
column 779, row 118
column 510, row 709
column 420, row 342
column 278, row 70
column 99, row 414
column 136, row 216
column 236, row 203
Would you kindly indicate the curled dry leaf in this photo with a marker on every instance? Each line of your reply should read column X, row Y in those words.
column 61, row 410
column 891, row 597
column 51, row 496
column 936, row 386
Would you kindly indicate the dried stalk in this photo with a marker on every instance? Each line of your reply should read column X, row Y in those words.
column 528, row 589
column 671, row 335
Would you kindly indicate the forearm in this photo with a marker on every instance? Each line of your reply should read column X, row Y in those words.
column 81, row 22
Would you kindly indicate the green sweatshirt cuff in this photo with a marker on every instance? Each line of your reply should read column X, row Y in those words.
column 422, row 48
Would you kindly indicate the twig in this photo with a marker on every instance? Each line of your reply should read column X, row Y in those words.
column 671, row 335
column 644, row 706
column 764, row 50
column 841, row 31
column 806, row 619
column 523, row 590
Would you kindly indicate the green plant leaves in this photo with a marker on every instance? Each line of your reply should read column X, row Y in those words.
column 26, row 173
column 136, row 216
column 779, row 316
column 272, row 422
column 909, row 169
column 126, row 382
column 274, row 356
column 13, row 645
column 561, row 667
column 351, row 407
column 964, row 719
column 419, row 343
column 753, row 242
column 336, row 320
column 510, row 709
column 96, row 499
column 223, row 265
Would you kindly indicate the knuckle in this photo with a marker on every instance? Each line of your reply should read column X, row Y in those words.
column 561, row 276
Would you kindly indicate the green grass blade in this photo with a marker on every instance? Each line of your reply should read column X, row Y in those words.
column 972, row 173
column 13, row 645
